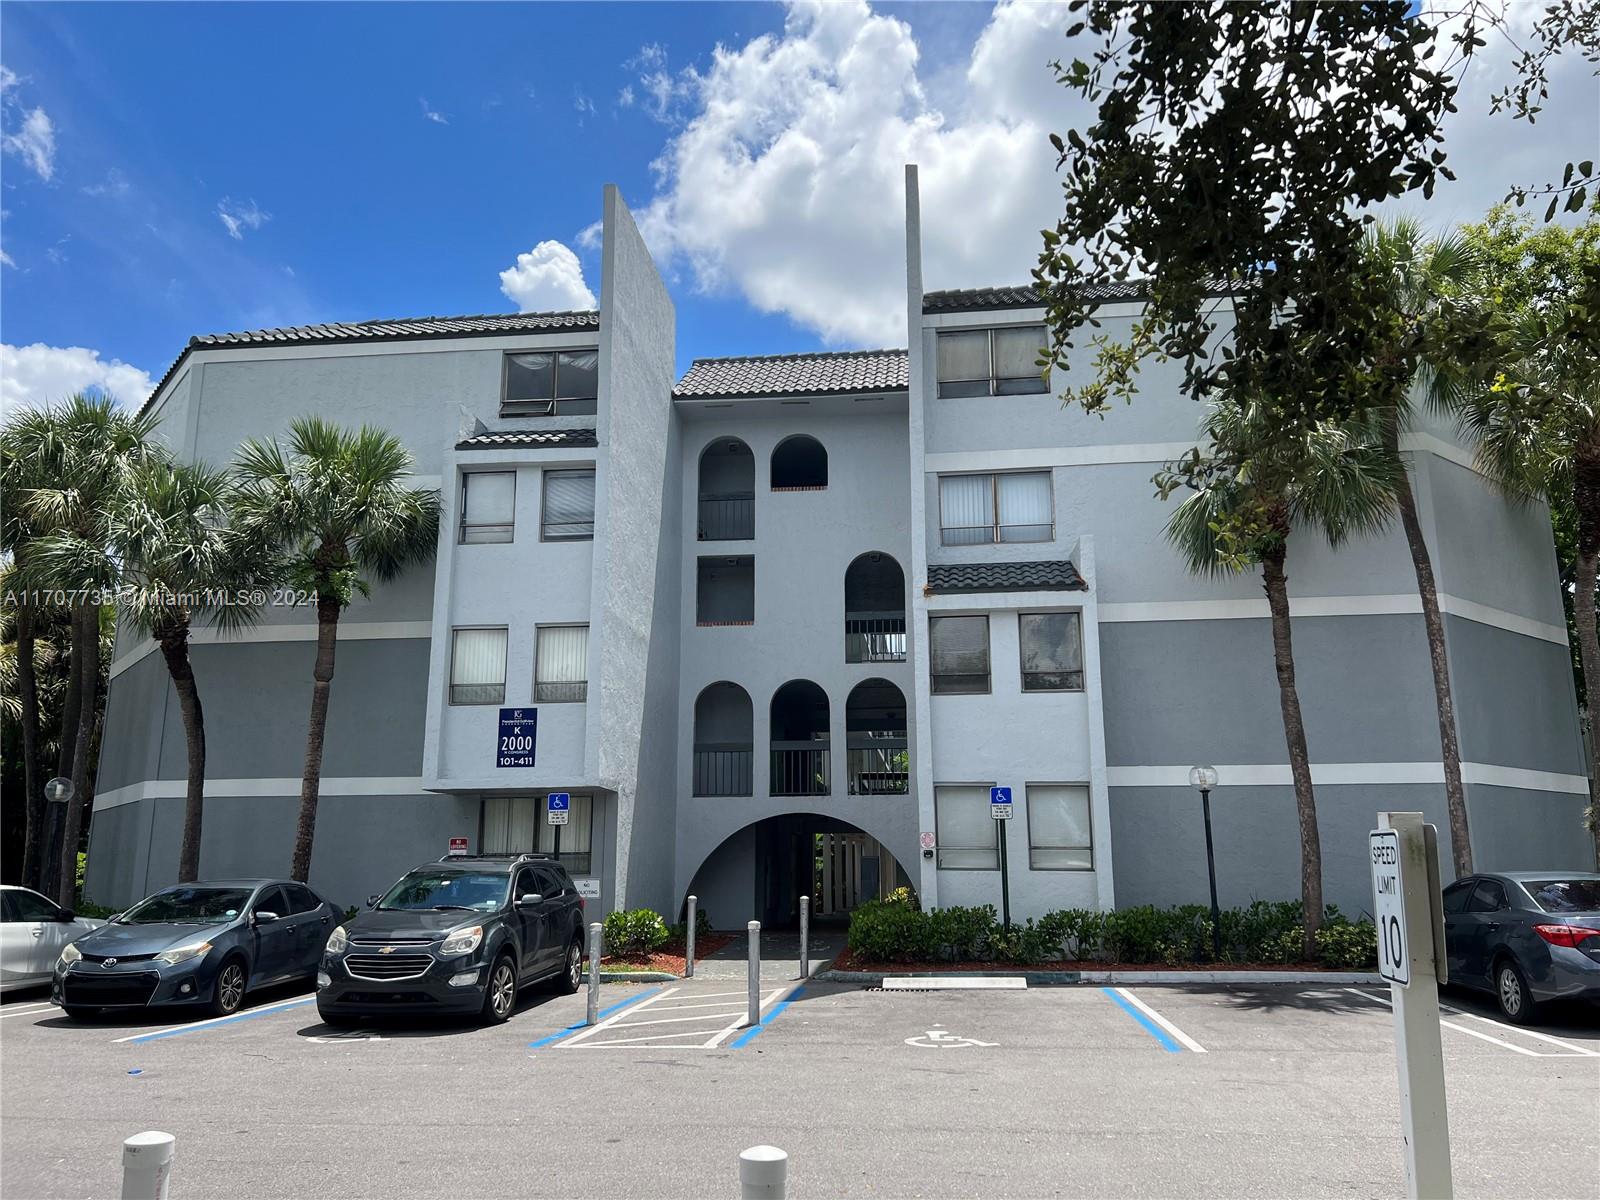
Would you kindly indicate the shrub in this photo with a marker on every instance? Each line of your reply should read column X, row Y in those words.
column 889, row 931
column 702, row 926
column 963, row 934
column 1348, row 945
column 633, row 933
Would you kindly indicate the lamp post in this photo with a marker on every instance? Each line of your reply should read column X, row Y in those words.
column 57, row 794
column 1205, row 778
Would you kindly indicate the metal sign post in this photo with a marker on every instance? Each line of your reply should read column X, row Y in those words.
column 559, row 807
column 1000, row 810
column 1411, row 956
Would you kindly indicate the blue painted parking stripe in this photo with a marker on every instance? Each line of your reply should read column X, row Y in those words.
column 600, row 1016
column 202, row 1026
column 771, row 1016
column 1155, row 1030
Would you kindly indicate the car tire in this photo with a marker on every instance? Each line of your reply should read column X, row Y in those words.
column 500, row 993
column 566, row 981
column 227, row 992
column 77, row 1012
column 1511, row 993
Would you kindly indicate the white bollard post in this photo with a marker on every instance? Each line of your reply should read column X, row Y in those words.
column 754, row 932
column 763, row 1173
column 147, row 1165
column 594, row 972
column 688, row 941
column 805, row 938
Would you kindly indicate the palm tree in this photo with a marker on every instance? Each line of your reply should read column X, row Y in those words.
column 1419, row 279
column 1257, row 485
column 16, row 534
column 179, row 562
column 82, row 454
column 334, row 506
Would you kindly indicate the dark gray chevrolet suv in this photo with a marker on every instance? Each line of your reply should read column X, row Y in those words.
column 459, row 936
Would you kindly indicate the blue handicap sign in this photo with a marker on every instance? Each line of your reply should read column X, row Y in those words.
column 560, row 801
column 518, row 737
column 999, row 795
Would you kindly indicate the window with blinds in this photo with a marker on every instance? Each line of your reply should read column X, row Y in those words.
column 965, row 833
column 561, row 664
column 488, row 506
column 959, row 655
column 568, row 513
column 517, row 825
column 1051, row 646
column 979, row 510
column 1059, row 837
column 478, row 666
column 549, row 383
column 992, row 362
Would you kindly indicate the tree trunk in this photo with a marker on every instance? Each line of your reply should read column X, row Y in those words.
column 33, row 798
column 71, row 707
column 1586, row 501
column 175, row 649
column 86, row 665
column 311, row 780
column 1455, row 796
column 1294, row 733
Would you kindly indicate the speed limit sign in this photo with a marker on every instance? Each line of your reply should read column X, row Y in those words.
column 1388, row 894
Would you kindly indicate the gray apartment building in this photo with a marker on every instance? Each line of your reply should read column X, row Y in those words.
column 779, row 626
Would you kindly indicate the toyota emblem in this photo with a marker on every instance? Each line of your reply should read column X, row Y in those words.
column 108, row 963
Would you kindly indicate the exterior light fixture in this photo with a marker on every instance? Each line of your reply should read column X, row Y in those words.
column 1205, row 778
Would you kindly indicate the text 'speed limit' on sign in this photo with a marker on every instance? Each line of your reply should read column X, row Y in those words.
column 1389, row 906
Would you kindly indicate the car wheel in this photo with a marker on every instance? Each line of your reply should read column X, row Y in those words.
column 228, row 993
column 76, row 1012
column 500, row 997
column 571, row 971
column 1512, row 994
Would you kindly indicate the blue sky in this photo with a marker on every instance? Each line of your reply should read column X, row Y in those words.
column 178, row 169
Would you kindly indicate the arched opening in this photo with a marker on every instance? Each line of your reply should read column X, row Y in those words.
column 761, row 871
column 801, row 765
column 723, row 717
column 727, row 492
column 799, row 463
column 876, row 756
column 874, row 610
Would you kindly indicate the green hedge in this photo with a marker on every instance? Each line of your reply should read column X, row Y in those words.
column 635, row 932
column 894, row 930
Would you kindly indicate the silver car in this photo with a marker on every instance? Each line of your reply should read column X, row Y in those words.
column 33, row 932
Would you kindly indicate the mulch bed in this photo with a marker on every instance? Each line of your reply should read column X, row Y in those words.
column 848, row 962
column 670, row 958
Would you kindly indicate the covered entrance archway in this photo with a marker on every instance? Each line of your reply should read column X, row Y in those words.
column 760, row 872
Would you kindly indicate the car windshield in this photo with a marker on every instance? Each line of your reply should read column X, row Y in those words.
column 479, row 890
column 188, row 906
column 1565, row 895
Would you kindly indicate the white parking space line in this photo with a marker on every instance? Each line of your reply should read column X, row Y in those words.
column 739, row 1021
column 37, row 1011
column 1477, row 1033
column 634, row 1010
column 1578, row 1050
column 686, row 1007
column 677, row 1020
column 1177, row 1033
column 641, row 1042
column 296, row 1002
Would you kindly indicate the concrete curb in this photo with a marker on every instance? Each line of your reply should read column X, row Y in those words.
column 635, row 977
column 1067, row 978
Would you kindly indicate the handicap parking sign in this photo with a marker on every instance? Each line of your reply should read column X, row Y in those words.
column 560, row 805
column 1000, row 803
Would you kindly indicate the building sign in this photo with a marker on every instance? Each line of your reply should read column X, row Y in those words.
column 1000, row 803
column 560, row 806
column 927, row 841
column 518, row 736
column 589, row 889
column 1388, row 895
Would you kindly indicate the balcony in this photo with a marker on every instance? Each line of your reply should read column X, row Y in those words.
column 801, row 769
column 727, row 492
column 730, row 518
column 878, row 768
column 723, row 770
column 877, row 758
column 875, row 637
column 725, row 591
column 874, row 610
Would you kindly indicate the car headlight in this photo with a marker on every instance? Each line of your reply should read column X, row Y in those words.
column 462, row 941
column 70, row 954
column 337, row 941
column 183, row 954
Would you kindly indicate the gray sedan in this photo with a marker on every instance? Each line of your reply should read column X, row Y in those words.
column 1525, row 936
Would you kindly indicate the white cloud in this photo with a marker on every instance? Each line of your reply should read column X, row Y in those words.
column 625, row 96
column 548, row 278
column 36, row 375
column 34, row 142
column 429, row 114
column 7, row 260
column 238, row 217
column 787, row 185
column 115, row 185
column 662, row 88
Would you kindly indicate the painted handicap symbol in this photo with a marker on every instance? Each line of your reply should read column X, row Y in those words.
column 939, row 1039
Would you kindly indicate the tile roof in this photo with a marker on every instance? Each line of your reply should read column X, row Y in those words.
column 841, row 373
column 529, row 437
column 1022, row 296
column 400, row 330
column 1005, row 577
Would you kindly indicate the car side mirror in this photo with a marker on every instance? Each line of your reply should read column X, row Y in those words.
column 372, row 900
column 66, row 915
column 262, row 918
column 528, row 899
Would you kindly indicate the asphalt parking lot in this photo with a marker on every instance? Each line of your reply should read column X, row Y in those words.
column 1083, row 1091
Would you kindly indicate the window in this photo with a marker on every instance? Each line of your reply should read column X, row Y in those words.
column 563, row 382
column 575, row 835
column 799, row 464
column 23, row 905
column 488, row 506
column 725, row 591
column 992, row 362
column 517, row 825
column 1058, row 827
column 1457, row 895
column 300, row 899
column 960, row 654
column 1490, row 897
column 568, row 506
column 979, row 509
column 966, row 834
column 1565, row 895
column 525, row 885
column 1052, row 651
column 272, row 900
column 561, row 665
column 478, row 666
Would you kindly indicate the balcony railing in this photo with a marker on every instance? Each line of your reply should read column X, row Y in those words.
column 722, row 770
column 880, row 769
column 801, row 769
column 727, row 518
column 874, row 637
